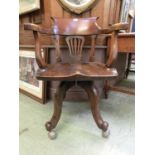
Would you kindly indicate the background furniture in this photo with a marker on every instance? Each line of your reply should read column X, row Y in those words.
column 131, row 56
column 76, row 70
column 130, row 62
column 126, row 45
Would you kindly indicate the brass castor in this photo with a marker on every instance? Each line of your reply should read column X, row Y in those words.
column 52, row 135
column 106, row 133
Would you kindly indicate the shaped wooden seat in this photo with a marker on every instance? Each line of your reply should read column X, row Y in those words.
column 75, row 31
column 85, row 71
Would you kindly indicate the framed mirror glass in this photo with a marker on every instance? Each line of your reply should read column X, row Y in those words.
column 77, row 6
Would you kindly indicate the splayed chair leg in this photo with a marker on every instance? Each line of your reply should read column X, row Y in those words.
column 105, row 89
column 58, row 99
column 94, row 101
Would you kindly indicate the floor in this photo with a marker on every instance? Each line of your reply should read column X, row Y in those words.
column 77, row 131
column 128, row 82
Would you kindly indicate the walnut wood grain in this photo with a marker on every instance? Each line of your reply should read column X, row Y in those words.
column 94, row 102
column 89, row 87
column 61, row 71
column 106, row 10
column 74, row 30
column 75, row 45
column 113, row 43
column 40, row 61
column 80, row 27
column 58, row 99
column 75, row 26
column 114, row 27
column 113, row 49
column 34, row 27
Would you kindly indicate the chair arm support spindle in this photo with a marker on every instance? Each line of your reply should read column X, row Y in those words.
column 113, row 49
column 40, row 61
column 36, row 30
column 113, row 44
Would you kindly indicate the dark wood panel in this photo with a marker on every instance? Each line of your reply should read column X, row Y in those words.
column 66, row 14
column 46, row 13
column 86, row 14
column 114, row 11
column 117, row 11
column 97, row 11
column 56, row 10
column 106, row 13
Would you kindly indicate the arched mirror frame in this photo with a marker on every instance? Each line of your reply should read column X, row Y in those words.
column 77, row 8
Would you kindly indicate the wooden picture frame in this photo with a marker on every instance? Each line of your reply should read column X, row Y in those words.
column 77, row 6
column 28, row 84
column 26, row 6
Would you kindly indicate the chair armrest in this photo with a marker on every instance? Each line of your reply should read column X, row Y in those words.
column 119, row 26
column 114, row 27
column 106, row 31
column 36, row 30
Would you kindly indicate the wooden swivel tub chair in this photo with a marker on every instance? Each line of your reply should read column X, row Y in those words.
column 75, row 71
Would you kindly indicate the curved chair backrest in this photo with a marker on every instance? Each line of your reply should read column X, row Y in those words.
column 75, row 26
column 72, row 28
column 75, row 30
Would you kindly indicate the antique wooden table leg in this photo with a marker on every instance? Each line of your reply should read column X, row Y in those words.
column 58, row 99
column 94, row 101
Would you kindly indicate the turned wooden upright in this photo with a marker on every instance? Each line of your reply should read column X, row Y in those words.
column 75, row 71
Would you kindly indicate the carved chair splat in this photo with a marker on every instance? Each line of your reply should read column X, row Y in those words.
column 74, row 30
